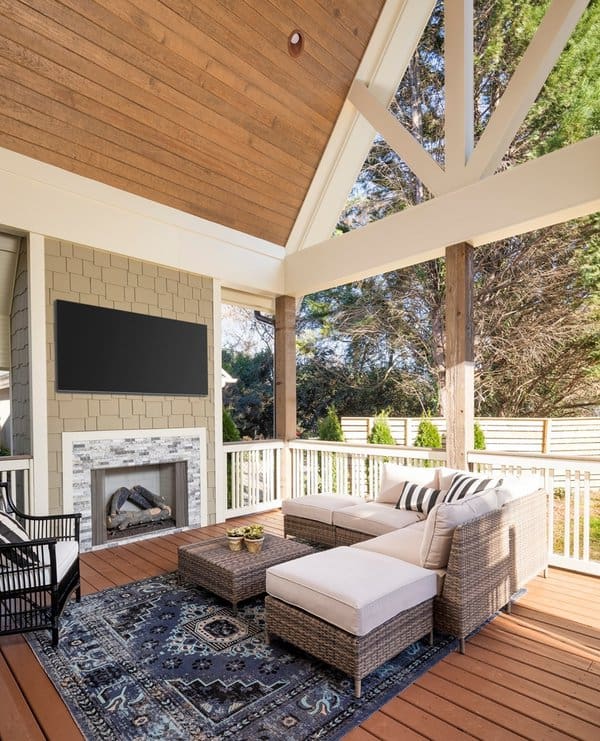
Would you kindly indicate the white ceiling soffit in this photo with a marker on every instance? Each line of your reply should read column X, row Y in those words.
column 557, row 187
column 248, row 300
column 394, row 40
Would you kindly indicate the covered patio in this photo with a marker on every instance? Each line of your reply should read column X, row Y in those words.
column 166, row 158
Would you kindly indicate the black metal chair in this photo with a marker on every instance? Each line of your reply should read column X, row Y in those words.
column 37, row 576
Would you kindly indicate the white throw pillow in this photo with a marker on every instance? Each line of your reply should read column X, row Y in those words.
column 394, row 477
column 520, row 486
column 442, row 521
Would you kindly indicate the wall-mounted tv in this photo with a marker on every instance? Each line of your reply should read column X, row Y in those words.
column 109, row 351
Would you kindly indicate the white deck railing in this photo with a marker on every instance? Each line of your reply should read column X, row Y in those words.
column 253, row 476
column 573, row 507
column 349, row 469
column 257, row 471
column 18, row 470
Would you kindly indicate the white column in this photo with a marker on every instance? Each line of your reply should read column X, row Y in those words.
column 220, row 462
column 36, row 267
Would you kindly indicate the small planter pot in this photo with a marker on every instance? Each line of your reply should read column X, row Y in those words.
column 254, row 545
column 235, row 543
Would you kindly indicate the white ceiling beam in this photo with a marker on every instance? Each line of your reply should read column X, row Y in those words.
column 524, row 86
column 41, row 198
column 552, row 189
column 390, row 49
column 397, row 137
column 458, row 86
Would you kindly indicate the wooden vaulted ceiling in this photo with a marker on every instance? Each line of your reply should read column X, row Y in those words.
column 196, row 104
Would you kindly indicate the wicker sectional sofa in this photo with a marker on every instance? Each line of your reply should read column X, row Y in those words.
column 482, row 550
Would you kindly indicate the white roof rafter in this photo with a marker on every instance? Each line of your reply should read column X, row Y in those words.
column 394, row 40
column 397, row 136
column 524, row 86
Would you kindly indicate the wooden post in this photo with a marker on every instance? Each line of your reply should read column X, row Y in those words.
column 460, row 415
column 285, row 382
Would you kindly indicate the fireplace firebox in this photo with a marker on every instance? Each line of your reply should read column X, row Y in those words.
column 132, row 501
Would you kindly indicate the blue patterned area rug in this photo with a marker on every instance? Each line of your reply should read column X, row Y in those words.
column 159, row 660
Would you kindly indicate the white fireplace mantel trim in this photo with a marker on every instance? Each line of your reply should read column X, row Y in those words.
column 69, row 438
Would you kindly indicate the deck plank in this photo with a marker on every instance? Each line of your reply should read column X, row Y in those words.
column 533, row 674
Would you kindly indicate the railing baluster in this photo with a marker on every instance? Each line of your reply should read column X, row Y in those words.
column 586, row 517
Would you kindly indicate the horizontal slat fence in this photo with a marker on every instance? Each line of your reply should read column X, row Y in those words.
column 563, row 435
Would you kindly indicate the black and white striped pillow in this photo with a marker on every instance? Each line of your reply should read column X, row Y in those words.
column 12, row 533
column 464, row 485
column 419, row 498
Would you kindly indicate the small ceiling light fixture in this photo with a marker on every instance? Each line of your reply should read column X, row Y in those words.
column 295, row 43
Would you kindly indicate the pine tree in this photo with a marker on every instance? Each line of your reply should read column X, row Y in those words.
column 428, row 435
column 380, row 432
column 330, row 427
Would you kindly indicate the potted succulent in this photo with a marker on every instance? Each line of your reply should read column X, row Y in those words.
column 235, row 538
column 254, row 537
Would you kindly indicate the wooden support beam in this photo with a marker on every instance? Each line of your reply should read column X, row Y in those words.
column 285, row 368
column 460, row 415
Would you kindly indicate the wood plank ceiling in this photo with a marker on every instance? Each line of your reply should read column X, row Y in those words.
column 196, row 104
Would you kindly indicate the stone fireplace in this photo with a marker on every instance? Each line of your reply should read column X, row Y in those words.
column 169, row 463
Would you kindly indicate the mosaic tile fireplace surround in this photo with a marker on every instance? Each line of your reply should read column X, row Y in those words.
column 84, row 452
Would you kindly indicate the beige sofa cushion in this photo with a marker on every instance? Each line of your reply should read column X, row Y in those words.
column 319, row 507
column 516, row 487
column 442, row 521
column 338, row 586
column 374, row 518
column 394, row 477
column 403, row 544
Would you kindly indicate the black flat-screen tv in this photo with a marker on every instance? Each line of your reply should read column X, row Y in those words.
column 101, row 350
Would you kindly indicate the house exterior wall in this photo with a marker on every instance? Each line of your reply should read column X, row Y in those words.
column 92, row 276
column 19, row 359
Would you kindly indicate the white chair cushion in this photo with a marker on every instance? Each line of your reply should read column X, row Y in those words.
column 445, row 518
column 338, row 587
column 394, row 477
column 319, row 507
column 374, row 518
column 67, row 552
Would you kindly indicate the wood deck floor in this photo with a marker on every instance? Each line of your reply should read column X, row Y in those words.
column 533, row 674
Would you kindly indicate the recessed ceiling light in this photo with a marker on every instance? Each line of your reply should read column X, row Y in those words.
column 295, row 43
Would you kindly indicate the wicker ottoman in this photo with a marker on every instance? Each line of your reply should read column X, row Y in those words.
column 234, row 576
column 351, row 608
column 311, row 518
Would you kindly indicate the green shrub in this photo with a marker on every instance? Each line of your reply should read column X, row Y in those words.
column 4, row 451
column 478, row 437
column 231, row 434
column 428, row 435
column 330, row 427
column 380, row 432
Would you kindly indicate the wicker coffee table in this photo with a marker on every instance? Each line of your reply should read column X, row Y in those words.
column 235, row 575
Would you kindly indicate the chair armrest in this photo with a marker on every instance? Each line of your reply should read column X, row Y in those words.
column 24, row 564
